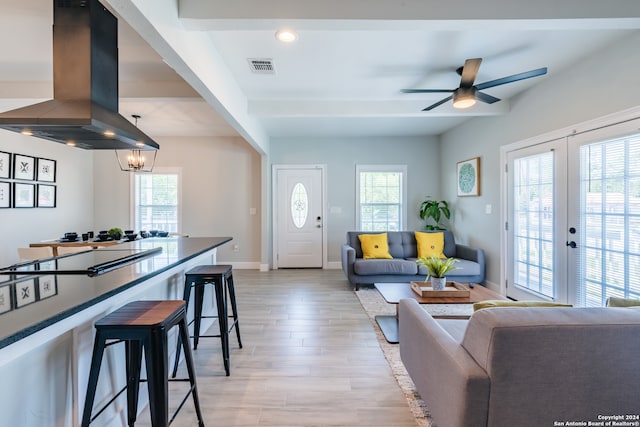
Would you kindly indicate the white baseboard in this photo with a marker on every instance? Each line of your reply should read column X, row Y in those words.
column 242, row 265
column 334, row 265
column 493, row 286
column 264, row 267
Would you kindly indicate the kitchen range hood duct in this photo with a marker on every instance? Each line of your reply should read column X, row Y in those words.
column 84, row 108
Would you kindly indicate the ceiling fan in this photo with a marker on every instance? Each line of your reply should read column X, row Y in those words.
column 467, row 93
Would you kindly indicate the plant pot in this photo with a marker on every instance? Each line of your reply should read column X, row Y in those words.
column 438, row 283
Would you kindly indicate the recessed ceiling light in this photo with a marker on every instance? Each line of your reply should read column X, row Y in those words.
column 286, row 36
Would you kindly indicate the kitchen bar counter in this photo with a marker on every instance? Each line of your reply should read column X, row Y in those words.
column 55, row 297
column 46, row 339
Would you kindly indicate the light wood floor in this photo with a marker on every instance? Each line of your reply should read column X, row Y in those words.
column 310, row 358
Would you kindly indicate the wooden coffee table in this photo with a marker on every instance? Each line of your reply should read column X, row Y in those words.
column 394, row 292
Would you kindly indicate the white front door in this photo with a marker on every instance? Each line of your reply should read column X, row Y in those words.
column 298, row 217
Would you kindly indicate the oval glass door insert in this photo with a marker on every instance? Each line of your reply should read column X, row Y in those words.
column 299, row 205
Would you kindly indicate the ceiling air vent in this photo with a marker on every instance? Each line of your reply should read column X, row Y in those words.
column 262, row 65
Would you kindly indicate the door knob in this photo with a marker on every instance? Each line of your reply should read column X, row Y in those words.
column 572, row 244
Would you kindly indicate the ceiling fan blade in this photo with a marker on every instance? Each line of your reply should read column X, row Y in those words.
column 470, row 71
column 427, row 90
column 486, row 98
column 511, row 79
column 442, row 101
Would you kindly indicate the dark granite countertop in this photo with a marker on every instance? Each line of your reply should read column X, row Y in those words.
column 55, row 297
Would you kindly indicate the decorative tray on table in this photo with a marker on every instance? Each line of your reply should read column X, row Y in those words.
column 452, row 290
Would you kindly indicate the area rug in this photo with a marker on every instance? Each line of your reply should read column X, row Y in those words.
column 373, row 305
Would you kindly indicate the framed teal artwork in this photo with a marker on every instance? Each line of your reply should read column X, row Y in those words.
column 468, row 177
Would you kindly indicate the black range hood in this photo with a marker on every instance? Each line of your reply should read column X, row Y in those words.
column 84, row 111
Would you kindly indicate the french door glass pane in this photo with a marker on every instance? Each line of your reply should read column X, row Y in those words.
column 534, row 219
column 610, row 221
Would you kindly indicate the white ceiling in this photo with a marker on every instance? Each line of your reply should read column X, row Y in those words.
column 342, row 77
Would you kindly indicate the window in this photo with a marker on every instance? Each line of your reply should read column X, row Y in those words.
column 157, row 200
column 381, row 197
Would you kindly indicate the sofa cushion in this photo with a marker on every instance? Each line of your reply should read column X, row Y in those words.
column 430, row 244
column 368, row 267
column 493, row 303
column 374, row 246
column 556, row 363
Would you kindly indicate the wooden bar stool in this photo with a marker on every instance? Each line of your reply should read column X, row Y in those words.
column 217, row 275
column 143, row 325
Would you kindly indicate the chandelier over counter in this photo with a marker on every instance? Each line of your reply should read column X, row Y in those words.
column 136, row 160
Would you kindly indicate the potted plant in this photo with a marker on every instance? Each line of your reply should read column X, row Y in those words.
column 434, row 209
column 437, row 268
column 115, row 233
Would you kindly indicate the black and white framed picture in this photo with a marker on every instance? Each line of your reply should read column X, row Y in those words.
column 46, row 170
column 47, row 286
column 5, row 299
column 25, row 292
column 23, row 195
column 5, row 164
column 5, row 194
column 46, row 196
column 24, row 167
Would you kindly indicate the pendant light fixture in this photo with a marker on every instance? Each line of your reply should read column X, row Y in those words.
column 136, row 160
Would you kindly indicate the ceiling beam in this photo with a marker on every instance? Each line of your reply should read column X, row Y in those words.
column 194, row 57
column 357, row 14
column 281, row 108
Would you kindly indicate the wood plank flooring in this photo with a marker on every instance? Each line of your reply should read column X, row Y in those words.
column 310, row 358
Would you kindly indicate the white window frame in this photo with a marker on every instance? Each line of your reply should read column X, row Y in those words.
column 156, row 171
column 402, row 169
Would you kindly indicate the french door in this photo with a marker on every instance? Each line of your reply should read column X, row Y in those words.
column 573, row 217
column 536, row 222
column 604, row 170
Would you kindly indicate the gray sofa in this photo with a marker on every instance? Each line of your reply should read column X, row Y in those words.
column 523, row 367
column 403, row 267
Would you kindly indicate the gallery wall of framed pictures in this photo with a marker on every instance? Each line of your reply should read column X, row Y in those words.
column 27, row 181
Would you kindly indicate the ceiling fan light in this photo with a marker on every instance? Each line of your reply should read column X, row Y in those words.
column 464, row 98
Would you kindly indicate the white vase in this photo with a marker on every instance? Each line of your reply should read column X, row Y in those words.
column 438, row 283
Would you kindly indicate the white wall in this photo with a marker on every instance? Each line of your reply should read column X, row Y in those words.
column 74, row 183
column 604, row 83
column 221, row 182
column 420, row 154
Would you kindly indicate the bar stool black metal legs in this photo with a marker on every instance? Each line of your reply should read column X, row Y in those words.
column 218, row 275
column 143, row 325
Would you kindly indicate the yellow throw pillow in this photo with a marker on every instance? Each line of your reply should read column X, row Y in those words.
column 374, row 246
column 501, row 303
column 430, row 244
